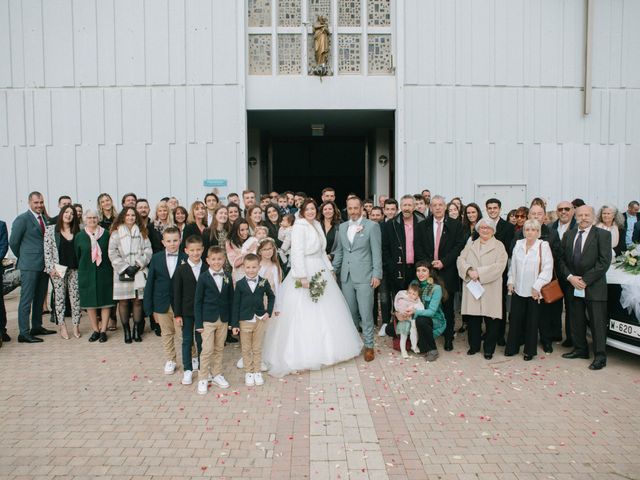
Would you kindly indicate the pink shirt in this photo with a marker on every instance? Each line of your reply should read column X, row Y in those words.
column 408, row 235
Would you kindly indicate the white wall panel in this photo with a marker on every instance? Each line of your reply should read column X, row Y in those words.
column 85, row 42
column 5, row 45
column 551, row 39
column 65, row 114
column 136, row 115
column 163, row 115
column 203, row 97
column 178, row 166
column 10, row 206
column 105, row 15
column 225, row 53
column 156, row 30
column 411, row 31
column 177, row 42
column 33, row 47
column 88, row 175
column 42, row 117
column 631, row 45
column 29, row 117
column 573, row 38
column 61, row 173
column 17, row 43
column 132, row 169
column 130, row 41
column 482, row 49
column 92, row 108
column 196, row 170
column 113, row 116
column 531, row 51
column 16, row 116
column 4, row 119
column 199, row 42
column 463, row 29
column 108, row 174
column 23, row 183
column 633, row 117
column 38, row 172
column 158, row 177
column 57, row 19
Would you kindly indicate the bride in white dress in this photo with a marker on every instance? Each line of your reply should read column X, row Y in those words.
column 308, row 335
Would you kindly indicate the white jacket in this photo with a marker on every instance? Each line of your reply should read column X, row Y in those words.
column 307, row 240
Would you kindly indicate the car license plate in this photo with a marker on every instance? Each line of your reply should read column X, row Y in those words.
column 624, row 328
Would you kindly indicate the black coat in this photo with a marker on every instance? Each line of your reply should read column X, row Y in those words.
column 594, row 263
column 394, row 244
column 247, row 304
column 158, row 291
column 192, row 229
column 184, row 289
column 155, row 237
column 451, row 244
column 212, row 304
column 505, row 232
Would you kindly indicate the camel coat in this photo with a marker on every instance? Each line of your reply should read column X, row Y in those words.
column 489, row 260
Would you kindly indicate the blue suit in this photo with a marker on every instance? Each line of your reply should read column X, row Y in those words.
column 27, row 243
column 4, row 248
column 158, row 291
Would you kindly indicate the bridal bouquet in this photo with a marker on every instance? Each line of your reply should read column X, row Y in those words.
column 316, row 286
column 629, row 260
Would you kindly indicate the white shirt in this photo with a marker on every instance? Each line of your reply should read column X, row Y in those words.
column 562, row 228
column 352, row 230
column 217, row 278
column 523, row 272
column 584, row 237
column 39, row 215
column 209, row 218
column 172, row 263
column 631, row 221
column 195, row 268
column 252, row 285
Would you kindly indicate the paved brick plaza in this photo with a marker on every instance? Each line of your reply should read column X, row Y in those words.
column 70, row 409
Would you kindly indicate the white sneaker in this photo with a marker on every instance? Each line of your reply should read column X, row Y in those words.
column 203, row 387
column 240, row 363
column 381, row 332
column 257, row 378
column 195, row 364
column 263, row 367
column 169, row 367
column 249, row 381
column 405, row 355
column 187, row 377
column 220, row 381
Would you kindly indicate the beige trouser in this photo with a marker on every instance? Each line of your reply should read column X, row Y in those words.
column 213, row 338
column 170, row 335
column 251, row 336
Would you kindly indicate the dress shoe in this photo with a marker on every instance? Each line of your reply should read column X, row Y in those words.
column 6, row 337
column 471, row 352
column 462, row 329
column 42, row 331
column 509, row 354
column 568, row 343
column 127, row 333
column 64, row 333
column 501, row 342
column 598, row 364
column 138, row 327
column 488, row 356
column 448, row 345
column 369, row 354
column 528, row 358
column 103, row 337
column 29, row 339
column 94, row 336
column 547, row 347
column 575, row 354
column 231, row 338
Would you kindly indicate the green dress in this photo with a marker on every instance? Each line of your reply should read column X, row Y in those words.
column 95, row 282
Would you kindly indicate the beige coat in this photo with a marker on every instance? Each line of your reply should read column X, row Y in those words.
column 489, row 260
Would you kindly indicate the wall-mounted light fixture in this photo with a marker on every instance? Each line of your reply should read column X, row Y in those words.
column 252, row 162
column 383, row 160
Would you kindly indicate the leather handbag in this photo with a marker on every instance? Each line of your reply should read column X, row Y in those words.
column 551, row 292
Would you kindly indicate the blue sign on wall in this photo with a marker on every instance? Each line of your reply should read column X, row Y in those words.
column 215, row 182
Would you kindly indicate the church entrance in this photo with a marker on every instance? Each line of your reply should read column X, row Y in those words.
column 309, row 150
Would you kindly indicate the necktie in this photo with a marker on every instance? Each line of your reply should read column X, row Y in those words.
column 437, row 245
column 577, row 249
column 42, row 228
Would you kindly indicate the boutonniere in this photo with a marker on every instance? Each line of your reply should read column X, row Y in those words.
column 182, row 262
column 225, row 280
column 262, row 283
column 359, row 228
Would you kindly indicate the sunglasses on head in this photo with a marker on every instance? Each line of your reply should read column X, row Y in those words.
column 564, row 209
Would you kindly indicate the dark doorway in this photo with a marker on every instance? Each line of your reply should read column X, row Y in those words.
column 311, row 164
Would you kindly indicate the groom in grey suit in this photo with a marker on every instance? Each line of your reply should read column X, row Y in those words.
column 358, row 259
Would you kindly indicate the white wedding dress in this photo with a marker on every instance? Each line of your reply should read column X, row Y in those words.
column 308, row 335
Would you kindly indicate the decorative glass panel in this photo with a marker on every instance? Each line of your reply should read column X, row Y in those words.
column 379, row 13
column 311, row 53
column 259, row 54
column 349, row 58
column 259, row 13
column 289, row 54
column 317, row 8
column 349, row 13
column 379, row 53
column 289, row 13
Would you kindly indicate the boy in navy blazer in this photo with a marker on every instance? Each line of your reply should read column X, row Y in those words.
column 212, row 309
column 250, row 314
column 158, row 293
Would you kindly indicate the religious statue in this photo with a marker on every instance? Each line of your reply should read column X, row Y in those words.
column 321, row 46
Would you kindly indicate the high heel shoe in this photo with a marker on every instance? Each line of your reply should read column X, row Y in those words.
column 76, row 331
column 63, row 331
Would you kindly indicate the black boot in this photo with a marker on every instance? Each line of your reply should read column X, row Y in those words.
column 137, row 331
column 126, row 328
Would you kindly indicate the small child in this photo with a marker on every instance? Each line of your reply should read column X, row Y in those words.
column 185, row 281
column 158, row 292
column 251, row 244
column 407, row 301
column 250, row 314
column 284, row 235
column 214, row 298
column 270, row 265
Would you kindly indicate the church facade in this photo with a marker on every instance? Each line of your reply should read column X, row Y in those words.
column 474, row 98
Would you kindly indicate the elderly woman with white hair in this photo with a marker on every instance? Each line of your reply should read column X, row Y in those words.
column 95, row 274
column 531, row 269
column 480, row 265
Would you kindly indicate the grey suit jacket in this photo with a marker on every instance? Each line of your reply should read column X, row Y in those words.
column 27, row 242
column 361, row 260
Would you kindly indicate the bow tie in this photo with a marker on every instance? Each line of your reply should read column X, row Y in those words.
column 218, row 274
column 172, row 254
column 252, row 280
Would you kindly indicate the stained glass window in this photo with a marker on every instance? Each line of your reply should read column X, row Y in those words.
column 379, row 13
column 260, row 54
column 319, row 7
column 349, row 58
column 289, row 54
column 379, row 53
column 349, row 13
column 289, row 13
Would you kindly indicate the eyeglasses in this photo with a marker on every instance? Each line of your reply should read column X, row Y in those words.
column 564, row 209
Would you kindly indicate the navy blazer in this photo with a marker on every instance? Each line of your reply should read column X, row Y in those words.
column 184, row 289
column 210, row 303
column 247, row 304
column 27, row 242
column 158, row 292
column 4, row 244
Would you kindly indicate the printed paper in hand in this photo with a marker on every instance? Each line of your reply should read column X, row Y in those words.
column 61, row 269
column 475, row 288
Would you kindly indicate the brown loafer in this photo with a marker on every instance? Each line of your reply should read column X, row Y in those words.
column 369, row 354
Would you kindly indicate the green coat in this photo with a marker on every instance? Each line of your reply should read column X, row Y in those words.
column 95, row 283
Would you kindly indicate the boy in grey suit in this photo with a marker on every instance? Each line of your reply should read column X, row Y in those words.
column 358, row 258
column 27, row 243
